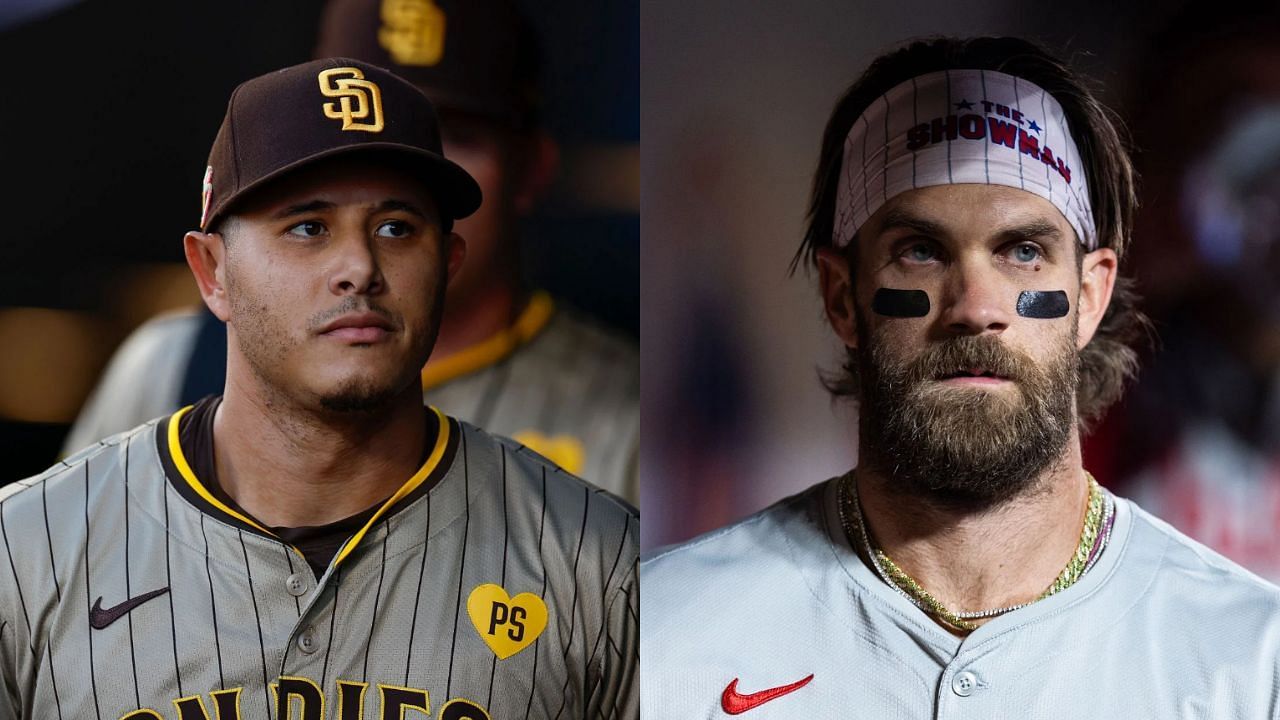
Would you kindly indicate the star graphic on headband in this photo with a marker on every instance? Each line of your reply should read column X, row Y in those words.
column 964, row 105
column 1034, row 126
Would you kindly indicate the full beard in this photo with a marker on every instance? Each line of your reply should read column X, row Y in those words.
column 966, row 447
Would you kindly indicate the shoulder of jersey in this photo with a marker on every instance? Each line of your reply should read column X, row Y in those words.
column 758, row 547
column 593, row 336
column 572, row 334
column 161, row 331
column 175, row 317
column 537, row 467
column 74, row 468
column 1197, row 607
column 753, row 570
column 1203, row 576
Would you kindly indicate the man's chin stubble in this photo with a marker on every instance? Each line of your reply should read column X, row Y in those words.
column 359, row 397
column 355, row 404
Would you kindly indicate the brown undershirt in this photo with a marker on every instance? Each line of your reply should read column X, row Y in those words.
column 317, row 543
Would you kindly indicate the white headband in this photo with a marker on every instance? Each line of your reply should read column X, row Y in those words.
column 962, row 126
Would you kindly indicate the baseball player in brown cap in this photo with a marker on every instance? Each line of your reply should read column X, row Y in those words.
column 508, row 358
column 313, row 536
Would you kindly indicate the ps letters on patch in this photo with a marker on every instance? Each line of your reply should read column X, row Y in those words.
column 302, row 699
column 506, row 623
column 512, row 615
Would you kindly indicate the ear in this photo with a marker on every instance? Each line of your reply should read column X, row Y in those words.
column 206, row 255
column 1097, row 280
column 540, row 168
column 837, row 294
column 455, row 248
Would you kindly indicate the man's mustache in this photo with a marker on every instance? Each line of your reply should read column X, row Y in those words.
column 348, row 305
column 983, row 354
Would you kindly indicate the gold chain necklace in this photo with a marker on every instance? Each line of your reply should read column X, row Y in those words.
column 1096, row 524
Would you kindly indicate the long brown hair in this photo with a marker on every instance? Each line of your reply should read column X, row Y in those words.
column 1109, row 360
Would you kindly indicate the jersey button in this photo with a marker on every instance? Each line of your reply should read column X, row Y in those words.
column 296, row 585
column 964, row 683
column 307, row 641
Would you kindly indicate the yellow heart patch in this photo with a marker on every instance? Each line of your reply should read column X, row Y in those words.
column 563, row 450
column 506, row 624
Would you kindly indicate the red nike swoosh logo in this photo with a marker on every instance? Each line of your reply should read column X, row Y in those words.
column 736, row 703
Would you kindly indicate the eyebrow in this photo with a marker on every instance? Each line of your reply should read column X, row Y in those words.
column 901, row 218
column 402, row 206
column 315, row 206
column 1032, row 230
column 303, row 209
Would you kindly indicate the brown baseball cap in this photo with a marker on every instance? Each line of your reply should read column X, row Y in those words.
column 287, row 119
column 476, row 56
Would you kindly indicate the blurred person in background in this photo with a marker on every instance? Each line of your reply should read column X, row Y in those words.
column 508, row 358
column 698, row 367
column 1198, row 440
column 971, row 208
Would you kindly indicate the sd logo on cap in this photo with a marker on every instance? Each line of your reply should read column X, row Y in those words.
column 285, row 120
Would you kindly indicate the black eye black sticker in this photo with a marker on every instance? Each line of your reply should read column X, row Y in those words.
column 900, row 303
column 1043, row 305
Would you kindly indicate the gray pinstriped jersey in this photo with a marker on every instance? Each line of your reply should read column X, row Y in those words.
column 572, row 393
column 576, row 386
column 1161, row 627
column 435, row 608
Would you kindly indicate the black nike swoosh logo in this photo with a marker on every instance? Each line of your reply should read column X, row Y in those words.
column 99, row 618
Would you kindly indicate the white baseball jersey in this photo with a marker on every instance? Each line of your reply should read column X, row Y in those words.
column 553, row 380
column 777, row 617
column 492, row 585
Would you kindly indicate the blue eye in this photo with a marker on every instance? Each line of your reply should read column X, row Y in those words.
column 1026, row 253
column 310, row 228
column 394, row 229
column 920, row 252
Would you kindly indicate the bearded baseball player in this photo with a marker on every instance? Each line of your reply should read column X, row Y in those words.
column 970, row 210
column 508, row 359
column 314, row 543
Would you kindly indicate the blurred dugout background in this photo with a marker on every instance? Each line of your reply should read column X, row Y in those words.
column 736, row 94
column 112, row 106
